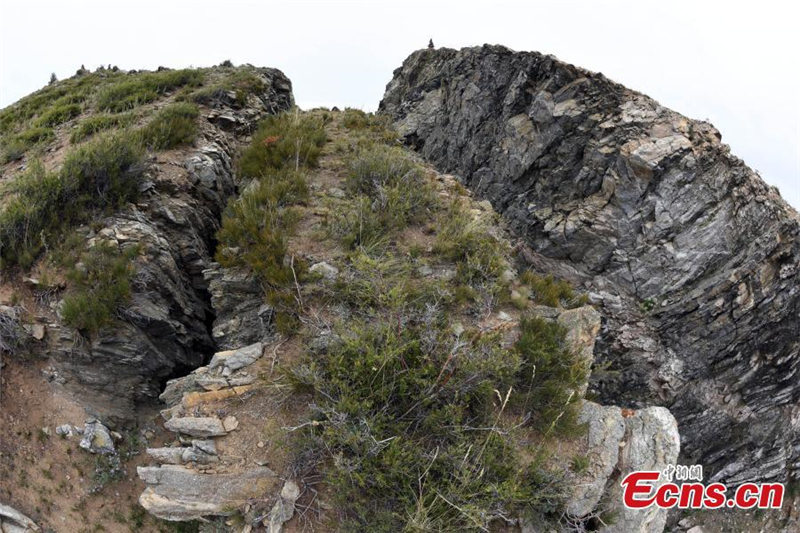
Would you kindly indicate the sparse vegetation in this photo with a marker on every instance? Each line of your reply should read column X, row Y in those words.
column 465, row 239
column 97, row 123
column 143, row 88
column 288, row 140
column 417, row 423
column 390, row 192
column 172, row 126
column 103, row 174
column 243, row 82
column 579, row 463
column 257, row 225
column 15, row 146
column 99, row 175
column 58, row 114
column 419, row 429
column 12, row 335
column 550, row 376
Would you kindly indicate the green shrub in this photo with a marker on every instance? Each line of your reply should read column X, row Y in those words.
column 102, row 174
column 143, row 88
column 549, row 291
column 58, row 114
column 550, row 376
column 100, row 283
column 391, row 192
column 288, row 140
column 256, row 226
column 412, row 438
column 172, row 126
column 16, row 146
column 97, row 123
column 465, row 239
column 373, row 127
column 14, row 115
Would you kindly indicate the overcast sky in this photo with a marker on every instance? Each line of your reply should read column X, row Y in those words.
column 735, row 64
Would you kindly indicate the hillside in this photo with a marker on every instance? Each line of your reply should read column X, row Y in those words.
column 219, row 312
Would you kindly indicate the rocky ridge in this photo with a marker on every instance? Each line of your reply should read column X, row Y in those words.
column 201, row 474
column 169, row 326
column 690, row 257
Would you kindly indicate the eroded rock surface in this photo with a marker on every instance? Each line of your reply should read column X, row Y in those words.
column 168, row 327
column 180, row 493
column 691, row 258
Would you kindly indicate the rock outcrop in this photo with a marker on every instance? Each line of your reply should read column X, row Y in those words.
column 619, row 442
column 690, row 257
column 169, row 326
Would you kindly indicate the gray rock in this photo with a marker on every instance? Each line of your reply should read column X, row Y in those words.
column 216, row 383
column 176, row 388
column 696, row 255
column 193, row 455
column 326, row 270
column 336, row 192
column 582, row 325
column 12, row 521
column 284, row 507
column 67, row 430
column 167, row 455
column 615, row 446
column 235, row 359
column 97, row 438
column 206, row 446
column 164, row 330
column 180, row 493
column 605, row 429
column 425, row 271
column 201, row 452
column 241, row 316
column 206, row 426
column 651, row 442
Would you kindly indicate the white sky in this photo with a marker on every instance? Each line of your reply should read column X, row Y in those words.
column 736, row 64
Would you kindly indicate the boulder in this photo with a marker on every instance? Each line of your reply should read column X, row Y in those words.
column 605, row 429
column 651, row 442
column 202, row 426
column 233, row 360
column 326, row 270
column 97, row 438
column 178, row 493
column 12, row 521
column 284, row 507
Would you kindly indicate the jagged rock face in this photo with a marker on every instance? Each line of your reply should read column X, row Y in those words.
column 241, row 316
column 166, row 329
column 691, row 258
column 618, row 443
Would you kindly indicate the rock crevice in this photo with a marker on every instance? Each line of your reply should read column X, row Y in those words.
column 169, row 326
